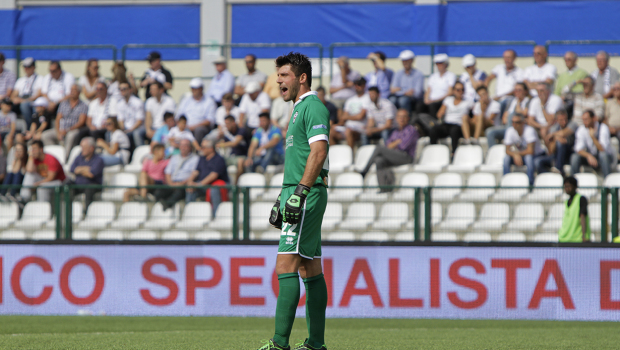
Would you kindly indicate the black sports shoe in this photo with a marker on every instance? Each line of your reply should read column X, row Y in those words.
column 305, row 346
column 271, row 345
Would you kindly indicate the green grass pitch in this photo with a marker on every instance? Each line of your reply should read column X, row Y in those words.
column 105, row 332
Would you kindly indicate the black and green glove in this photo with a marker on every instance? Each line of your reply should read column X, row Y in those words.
column 295, row 204
column 275, row 218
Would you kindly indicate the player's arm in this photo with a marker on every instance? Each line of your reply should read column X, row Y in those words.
column 316, row 159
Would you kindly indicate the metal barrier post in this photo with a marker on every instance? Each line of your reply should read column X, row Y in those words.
column 427, row 214
column 432, row 56
column 246, row 213
column 235, row 218
column 416, row 214
column 604, row 193
column 68, row 212
column 614, row 213
column 58, row 210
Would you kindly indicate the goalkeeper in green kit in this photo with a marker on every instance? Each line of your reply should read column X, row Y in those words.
column 299, row 210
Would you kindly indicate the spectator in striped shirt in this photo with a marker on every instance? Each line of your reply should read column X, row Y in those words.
column 70, row 120
column 399, row 149
column 7, row 79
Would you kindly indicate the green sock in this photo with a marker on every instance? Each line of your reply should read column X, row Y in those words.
column 288, row 298
column 316, row 303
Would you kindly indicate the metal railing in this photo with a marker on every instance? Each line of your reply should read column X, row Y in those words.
column 432, row 45
column 548, row 43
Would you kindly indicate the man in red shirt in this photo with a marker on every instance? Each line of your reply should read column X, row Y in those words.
column 43, row 172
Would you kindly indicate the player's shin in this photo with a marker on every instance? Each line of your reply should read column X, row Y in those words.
column 288, row 299
column 316, row 304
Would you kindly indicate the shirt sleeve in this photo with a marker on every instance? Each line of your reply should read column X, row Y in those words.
column 530, row 136
column 74, row 165
column 317, row 123
column 409, row 136
column 580, row 142
column 477, row 109
column 170, row 167
column 97, row 168
column 583, row 206
column 509, row 138
column 52, row 164
column 603, row 136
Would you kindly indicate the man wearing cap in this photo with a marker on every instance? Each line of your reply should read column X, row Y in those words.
column 27, row 89
column 472, row 78
column 222, row 83
column 253, row 103
column 41, row 121
column 7, row 79
column 156, row 72
column 341, row 87
column 540, row 72
column 252, row 75
column 70, row 121
column 158, row 104
column 439, row 85
column 382, row 76
column 408, row 84
column 129, row 110
column 199, row 110
column 56, row 86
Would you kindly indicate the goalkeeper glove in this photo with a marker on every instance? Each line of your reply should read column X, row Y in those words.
column 275, row 218
column 295, row 204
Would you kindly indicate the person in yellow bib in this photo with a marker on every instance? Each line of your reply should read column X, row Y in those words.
column 575, row 223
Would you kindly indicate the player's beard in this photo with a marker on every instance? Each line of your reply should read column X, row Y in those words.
column 293, row 90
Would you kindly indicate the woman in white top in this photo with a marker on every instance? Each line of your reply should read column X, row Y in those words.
column 118, row 148
column 119, row 73
column 454, row 110
column 89, row 80
column 519, row 104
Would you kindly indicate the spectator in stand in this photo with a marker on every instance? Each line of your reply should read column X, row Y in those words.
column 522, row 147
column 7, row 123
column 3, row 168
column 238, row 140
column 155, row 73
column 129, row 111
column 119, row 76
column 56, row 86
column 7, row 80
column 152, row 174
column 519, row 104
column 43, row 172
column 540, row 72
column 118, row 148
column 99, row 110
column 252, row 75
column 177, row 175
column 253, row 103
column 560, row 142
column 70, row 122
column 568, row 83
column 605, row 76
column 455, row 115
column 178, row 133
column 88, row 170
column 16, row 175
column 472, row 78
column 341, row 87
column 199, row 110
column 399, row 149
column 486, row 115
column 507, row 75
column 407, row 89
column 542, row 109
column 161, row 136
column 272, row 88
column 588, row 99
column 266, row 147
column 227, row 108
column 27, row 90
column 439, row 85
column 223, row 82
column 352, row 124
column 612, row 112
column 41, row 121
column 333, row 110
column 592, row 146
column 156, row 106
column 380, row 115
column 210, row 171
column 89, row 80
column 382, row 76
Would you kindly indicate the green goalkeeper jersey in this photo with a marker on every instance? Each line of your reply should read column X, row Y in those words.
column 309, row 123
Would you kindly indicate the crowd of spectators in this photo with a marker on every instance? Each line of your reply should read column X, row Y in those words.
column 545, row 120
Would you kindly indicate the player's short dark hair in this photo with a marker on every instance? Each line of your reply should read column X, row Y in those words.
column 373, row 88
column 381, row 55
column 482, row 87
column 264, row 115
column 158, row 146
column 361, row 81
column 320, row 88
column 570, row 180
column 230, row 117
column 159, row 84
column 168, row 115
column 299, row 63
column 182, row 118
column 38, row 143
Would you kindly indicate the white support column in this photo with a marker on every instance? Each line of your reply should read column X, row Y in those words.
column 212, row 31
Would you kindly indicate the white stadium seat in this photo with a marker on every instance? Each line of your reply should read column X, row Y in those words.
column 275, row 186
column 444, row 237
column 195, row 216
column 13, row 235
column 124, row 181
column 142, row 236
column 162, row 220
column 452, row 182
column 371, row 193
column 256, row 181
column 332, row 217
column 410, row 180
column 273, row 235
column 542, row 191
column 546, row 237
column 57, row 151
column 359, row 216
column 175, row 236
column 392, row 216
column 459, row 217
column 480, row 186
column 477, row 237
column 80, row 235
column 8, row 214
column 467, row 159
column 527, row 217
column 130, row 216
column 507, row 191
column 362, row 156
column 224, row 217
column 374, row 236
column 493, row 216
column 354, row 182
column 259, row 215
column 44, row 235
column 210, row 236
column 35, row 214
column 594, row 213
column 404, row 237
column 98, row 216
column 341, row 236
column 494, row 162
column 434, row 159
column 109, row 235
column 511, row 237
column 585, row 180
column 75, row 152
column 139, row 154
column 554, row 217
column 340, row 158
column 436, row 215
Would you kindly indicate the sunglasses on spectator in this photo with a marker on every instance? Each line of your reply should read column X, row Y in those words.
column 124, row 89
column 458, row 89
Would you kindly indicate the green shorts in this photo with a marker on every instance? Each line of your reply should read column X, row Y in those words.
column 304, row 238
